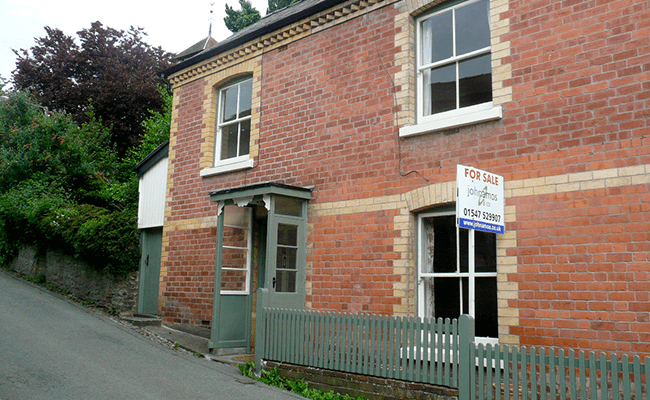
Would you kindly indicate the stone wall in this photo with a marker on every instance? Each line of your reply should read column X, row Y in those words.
column 356, row 385
column 79, row 279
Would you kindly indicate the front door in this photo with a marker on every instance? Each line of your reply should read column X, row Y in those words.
column 151, row 244
column 286, row 277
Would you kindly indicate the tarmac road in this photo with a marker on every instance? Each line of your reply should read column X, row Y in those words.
column 52, row 348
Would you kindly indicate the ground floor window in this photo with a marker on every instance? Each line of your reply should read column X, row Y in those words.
column 457, row 272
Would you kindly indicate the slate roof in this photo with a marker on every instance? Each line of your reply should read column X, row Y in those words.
column 271, row 22
column 195, row 48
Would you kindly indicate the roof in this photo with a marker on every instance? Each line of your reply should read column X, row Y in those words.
column 261, row 189
column 195, row 48
column 152, row 158
column 271, row 22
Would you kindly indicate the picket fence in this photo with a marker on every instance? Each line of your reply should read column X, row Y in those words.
column 442, row 352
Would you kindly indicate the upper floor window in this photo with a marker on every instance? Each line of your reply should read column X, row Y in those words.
column 454, row 67
column 234, row 123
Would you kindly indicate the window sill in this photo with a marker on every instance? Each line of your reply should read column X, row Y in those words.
column 451, row 120
column 230, row 167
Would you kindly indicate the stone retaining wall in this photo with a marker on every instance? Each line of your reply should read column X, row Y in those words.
column 81, row 280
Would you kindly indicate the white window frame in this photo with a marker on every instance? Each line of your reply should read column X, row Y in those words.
column 249, row 251
column 471, row 274
column 233, row 163
column 453, row 118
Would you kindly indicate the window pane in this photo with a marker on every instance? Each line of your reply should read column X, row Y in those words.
column 442, row 88
column 486, row 307
column 287, row 235
column 244, row 137
column 447, row 297
column 245, row 98
column 234, row 258
column 485, row 259
column 463, row 234
column 437, row 43
column 229, row 141
column 236, row 216
column 285, row 281
column 235, row 237
column 439, row 244
column 288, row 206
column 475, row 81
column 286, row 258
column 229, row 104
column 472, row 27
column 233, row 280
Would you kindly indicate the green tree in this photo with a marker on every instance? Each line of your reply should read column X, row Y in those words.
column 236, row 20
column 118, row 70
column 57, row 187
column 275, row 5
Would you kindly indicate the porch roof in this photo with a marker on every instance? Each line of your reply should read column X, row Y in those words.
column 264, row 188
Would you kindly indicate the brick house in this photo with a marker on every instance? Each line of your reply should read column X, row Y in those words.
column 314, row 153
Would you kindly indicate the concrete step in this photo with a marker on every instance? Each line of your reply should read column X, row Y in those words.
column 143, row 320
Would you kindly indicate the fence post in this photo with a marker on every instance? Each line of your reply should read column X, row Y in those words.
column 465, row 362
column 260, row 328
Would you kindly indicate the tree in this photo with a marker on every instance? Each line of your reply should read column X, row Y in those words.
column 275, row 5
column 114, row 70
column 237, row 20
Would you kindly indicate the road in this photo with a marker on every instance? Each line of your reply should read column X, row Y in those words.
column 52, row 348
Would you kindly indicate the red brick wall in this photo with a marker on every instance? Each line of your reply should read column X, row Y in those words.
column 580, row 102
column 188, row 286
column 584, row 270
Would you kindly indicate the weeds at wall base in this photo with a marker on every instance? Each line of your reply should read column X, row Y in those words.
column 273, row 378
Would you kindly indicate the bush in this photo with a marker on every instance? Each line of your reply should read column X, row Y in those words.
column 63, row 187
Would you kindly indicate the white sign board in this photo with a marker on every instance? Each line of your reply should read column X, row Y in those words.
column 479, row 200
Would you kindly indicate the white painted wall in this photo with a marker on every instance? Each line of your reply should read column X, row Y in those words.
column 153, row 189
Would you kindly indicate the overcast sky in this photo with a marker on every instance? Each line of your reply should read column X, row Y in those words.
column 174, row 26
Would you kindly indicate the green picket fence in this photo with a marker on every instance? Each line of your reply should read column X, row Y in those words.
column 555, row 374
column 442, row 352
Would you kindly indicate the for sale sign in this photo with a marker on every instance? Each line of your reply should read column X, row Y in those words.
column 479, row 200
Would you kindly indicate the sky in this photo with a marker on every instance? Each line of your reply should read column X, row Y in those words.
column 174, row 26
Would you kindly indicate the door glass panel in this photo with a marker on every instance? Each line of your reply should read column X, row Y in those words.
column 285, row 281
column 287, row 235
column 286, row 259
